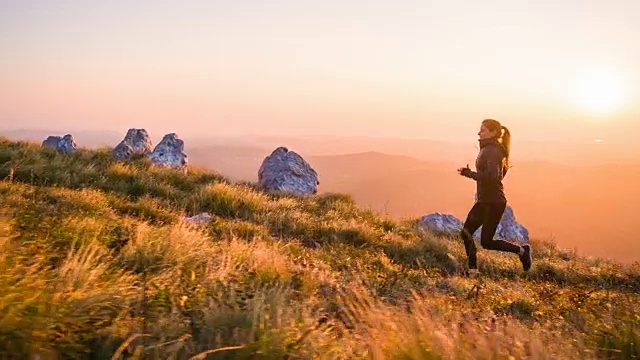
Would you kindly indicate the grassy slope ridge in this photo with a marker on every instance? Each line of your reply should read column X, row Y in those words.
column 96, row 262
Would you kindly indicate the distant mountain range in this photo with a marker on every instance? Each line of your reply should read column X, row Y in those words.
column 588, row 152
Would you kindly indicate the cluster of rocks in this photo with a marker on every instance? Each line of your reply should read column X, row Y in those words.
column 62, row 144
column 168, row 153
column 283, row 171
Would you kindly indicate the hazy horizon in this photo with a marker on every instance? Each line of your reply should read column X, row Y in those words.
column 407, row 69
column 453, row 152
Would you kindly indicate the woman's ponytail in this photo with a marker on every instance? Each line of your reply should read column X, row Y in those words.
column 505, row 140
column 503, row 135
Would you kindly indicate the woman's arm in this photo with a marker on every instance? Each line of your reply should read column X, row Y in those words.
column 489, row 167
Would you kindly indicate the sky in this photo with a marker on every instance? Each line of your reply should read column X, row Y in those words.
column 549, row 70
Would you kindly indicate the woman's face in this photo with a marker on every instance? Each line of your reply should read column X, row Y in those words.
column 485, row 133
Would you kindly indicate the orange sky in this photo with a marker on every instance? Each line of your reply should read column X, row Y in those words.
column 420, row 69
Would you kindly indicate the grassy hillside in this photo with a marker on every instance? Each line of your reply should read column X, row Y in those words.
column 95, row 262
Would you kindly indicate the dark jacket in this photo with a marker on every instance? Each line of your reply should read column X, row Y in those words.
column 489, row 172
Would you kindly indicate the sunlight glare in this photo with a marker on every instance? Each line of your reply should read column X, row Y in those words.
column 599, row 91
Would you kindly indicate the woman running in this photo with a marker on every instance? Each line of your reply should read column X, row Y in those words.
column 491, row 166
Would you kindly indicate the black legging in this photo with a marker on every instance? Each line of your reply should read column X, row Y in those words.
column 488, row 216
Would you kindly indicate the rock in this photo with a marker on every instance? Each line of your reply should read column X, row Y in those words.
column 136, row 141
column 52, row 142
column 509, row 229
column 64, row 145
column 122, row 152
column 445, row 224
column 67, row 145
column 286, row 171
column 199, row 219
column 170, row 153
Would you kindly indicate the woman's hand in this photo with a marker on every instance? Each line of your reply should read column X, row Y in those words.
column 465, row 171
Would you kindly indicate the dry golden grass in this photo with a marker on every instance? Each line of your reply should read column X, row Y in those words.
column 96, row 263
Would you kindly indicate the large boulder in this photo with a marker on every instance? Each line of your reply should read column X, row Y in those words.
column 64, row 145
column 136, row 141
column 444, row 224
column 67, row 145
column 170, row 153
column 51, row 142
column 285, row 171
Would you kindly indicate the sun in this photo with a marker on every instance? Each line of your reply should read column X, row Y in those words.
column 599, row 91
